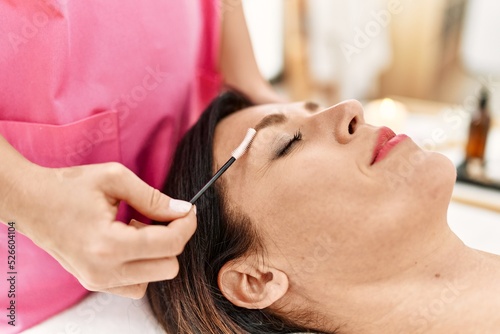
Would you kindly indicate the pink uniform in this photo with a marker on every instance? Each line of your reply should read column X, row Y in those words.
column 93, row 81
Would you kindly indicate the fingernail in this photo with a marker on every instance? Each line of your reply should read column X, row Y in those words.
column 194, row 209
column 180, row 206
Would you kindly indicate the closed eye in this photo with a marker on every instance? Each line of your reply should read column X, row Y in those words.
column 283, row 151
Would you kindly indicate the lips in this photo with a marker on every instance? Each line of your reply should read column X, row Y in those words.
column 386, row 141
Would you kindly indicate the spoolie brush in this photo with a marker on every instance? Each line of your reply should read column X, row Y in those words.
column 236, row 154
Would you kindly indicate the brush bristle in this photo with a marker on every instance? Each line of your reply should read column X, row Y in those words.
column 240, row 150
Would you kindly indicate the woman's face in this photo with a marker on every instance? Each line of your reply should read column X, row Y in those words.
column 324, row 209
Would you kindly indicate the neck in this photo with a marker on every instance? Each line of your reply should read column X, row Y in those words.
column 435, row 293
column 426, row 296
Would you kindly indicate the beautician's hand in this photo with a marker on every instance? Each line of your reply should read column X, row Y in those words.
column 71, row 213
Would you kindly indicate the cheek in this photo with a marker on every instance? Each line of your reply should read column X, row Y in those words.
column 301, row 199
column 309, row 180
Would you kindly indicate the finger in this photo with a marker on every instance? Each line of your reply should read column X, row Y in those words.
column 123, row 184
column 140, row 272
column 133, row 273
column 142, row 241
column 149, row 270
column 135, row 291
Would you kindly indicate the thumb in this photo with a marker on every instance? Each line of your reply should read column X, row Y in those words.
column 127, row 186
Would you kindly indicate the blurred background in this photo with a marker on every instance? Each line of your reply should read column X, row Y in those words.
column 331, row 50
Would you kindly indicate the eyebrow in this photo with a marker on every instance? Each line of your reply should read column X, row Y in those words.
column 270, row 120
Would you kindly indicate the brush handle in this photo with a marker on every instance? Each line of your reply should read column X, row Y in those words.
column 213, row 179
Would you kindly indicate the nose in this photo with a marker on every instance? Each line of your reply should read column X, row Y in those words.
column 345, row 117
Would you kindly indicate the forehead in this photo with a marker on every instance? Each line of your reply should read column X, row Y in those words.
column 232, row 129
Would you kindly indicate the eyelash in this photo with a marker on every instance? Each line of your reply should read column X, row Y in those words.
column 286, row 149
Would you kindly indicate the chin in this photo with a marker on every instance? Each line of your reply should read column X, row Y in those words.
column 427, row 191
column 438, row 177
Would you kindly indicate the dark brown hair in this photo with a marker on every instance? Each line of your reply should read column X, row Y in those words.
column 192, row 302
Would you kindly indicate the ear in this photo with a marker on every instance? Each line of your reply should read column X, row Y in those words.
column 250, row 284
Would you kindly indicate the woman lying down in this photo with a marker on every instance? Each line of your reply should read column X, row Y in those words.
column 326, row 225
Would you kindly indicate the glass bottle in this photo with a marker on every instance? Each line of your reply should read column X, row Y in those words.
column 478, row 131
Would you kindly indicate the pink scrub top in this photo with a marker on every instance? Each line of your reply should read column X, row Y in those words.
column 93, row 81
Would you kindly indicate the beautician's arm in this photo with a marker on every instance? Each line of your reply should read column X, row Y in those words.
column 237, row 62
column 71, row 212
